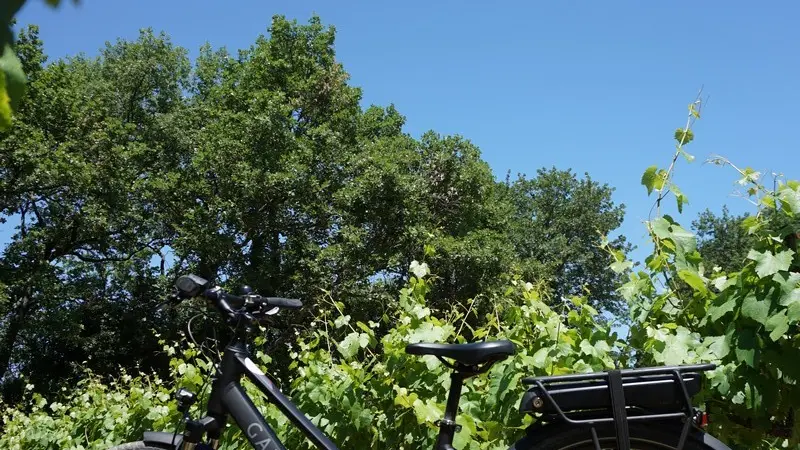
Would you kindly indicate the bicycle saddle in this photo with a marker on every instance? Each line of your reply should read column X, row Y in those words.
column 471, row 354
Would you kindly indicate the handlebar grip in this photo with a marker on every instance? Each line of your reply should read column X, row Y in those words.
column 289, row 303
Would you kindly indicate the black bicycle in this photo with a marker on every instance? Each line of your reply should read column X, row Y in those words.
column 644, row 409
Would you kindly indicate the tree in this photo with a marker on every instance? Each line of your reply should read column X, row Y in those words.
column 558, row 224
column 259, row 169
column 723, row 241
column 12, row 74
column 76, row 170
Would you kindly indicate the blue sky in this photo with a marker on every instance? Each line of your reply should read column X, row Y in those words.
column 598, row 87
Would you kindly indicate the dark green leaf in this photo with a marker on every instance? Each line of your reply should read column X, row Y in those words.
column 789, row 285
column 746, row 347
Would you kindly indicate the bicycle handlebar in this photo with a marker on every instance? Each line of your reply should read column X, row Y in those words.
column 190, row 286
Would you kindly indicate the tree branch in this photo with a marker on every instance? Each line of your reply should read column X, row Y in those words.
column 93, row 259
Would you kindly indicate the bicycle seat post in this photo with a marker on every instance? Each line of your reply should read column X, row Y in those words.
column 447, row 425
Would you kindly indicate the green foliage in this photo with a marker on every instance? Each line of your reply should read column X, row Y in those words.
column 12, row 77
column 558, row 223
column 744, row 318
column 356, row 385
column 722, row 240
column 12, row 85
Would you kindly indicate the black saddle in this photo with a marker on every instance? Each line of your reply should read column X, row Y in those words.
column 466, row 354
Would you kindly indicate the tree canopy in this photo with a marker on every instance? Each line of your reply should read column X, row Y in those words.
column 123, row 170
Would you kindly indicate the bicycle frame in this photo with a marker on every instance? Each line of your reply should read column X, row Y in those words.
column 229, row 398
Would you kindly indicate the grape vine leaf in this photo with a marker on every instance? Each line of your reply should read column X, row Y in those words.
column 621, row 266
column 694, row 280
column 715, row 348
column 768, row 263
column 661, row 228
column 746, row 347
column 427, row 411
column 789, row 284
column 419, row 269
column 721, row 306
column 680, row 197
column 12, row 84
column 349, row 345
column 649, row 178
column 684, row 239
column 790, row 199
column 755, row 309
column 794, row 312
column 777, row 325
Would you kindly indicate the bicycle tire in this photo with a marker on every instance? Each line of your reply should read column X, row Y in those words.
column 137, row 445
column 642, row 437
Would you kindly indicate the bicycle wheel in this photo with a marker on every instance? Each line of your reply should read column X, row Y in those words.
column 643, row 437
column 139, row 445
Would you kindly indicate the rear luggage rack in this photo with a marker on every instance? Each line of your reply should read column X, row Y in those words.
column 651, row 393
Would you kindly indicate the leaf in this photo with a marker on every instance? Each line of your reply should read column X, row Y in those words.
column 693, row 279
column 649, row 178
column 790, row 200
column 540, row 358
column 777, row 325
column 688, row 157
column 363, row 340
column 587, row 348
column 789, row 284
column 12, row 85
column 676, row 347
column 621, row 266
column 683, row 136
column 715, row 348
column 750, row 176
column 793, row 312
column 680, row 198
column 721, row 306
column 341, row 321
column 721, row 283
column 768, row 263
column 349, row 346
column 5, row 104
column 403, row 398
column 755, row 309
column 660, row 228
column 751, row 224
column 419, row 269
column 427, row 412
column 428, row 332
column 684, row 239
column 746, row 347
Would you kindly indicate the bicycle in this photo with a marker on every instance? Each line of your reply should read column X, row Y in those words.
column 644, row 409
